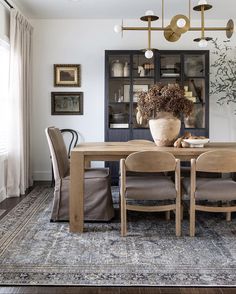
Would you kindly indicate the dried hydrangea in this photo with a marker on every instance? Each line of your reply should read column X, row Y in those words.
column 164, row 98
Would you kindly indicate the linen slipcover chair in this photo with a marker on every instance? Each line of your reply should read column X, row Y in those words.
column 212, row 189
column 153, row 187
column 98, row 204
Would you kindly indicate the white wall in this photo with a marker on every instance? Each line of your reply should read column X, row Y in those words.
column 4, row 23
column 83, row 42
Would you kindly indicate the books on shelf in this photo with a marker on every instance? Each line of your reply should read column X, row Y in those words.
column 119, row 126
column 170, row 75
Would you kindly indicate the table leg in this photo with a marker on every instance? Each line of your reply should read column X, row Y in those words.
column 76, row 199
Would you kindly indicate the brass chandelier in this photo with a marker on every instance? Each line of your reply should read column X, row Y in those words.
column 179, row 25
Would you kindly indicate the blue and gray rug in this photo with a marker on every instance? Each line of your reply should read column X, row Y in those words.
column 34, row 251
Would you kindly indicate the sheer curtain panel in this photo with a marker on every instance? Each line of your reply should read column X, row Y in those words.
column 19, row 176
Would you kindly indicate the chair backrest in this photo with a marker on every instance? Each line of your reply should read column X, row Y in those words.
column 58, row 152
column 223, row 161
column 150, row 161
column 73, row 139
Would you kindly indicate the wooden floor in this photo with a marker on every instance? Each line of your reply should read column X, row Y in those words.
column 10, row 203
column 114, row 290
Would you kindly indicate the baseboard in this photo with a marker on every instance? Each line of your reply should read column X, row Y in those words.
column 2, row 194
column 42, row 175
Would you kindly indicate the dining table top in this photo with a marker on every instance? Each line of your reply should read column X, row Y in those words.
column 125, row 148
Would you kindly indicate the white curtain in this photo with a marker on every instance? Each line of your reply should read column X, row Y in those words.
column 19, row 175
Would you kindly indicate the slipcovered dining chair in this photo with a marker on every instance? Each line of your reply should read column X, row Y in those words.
column 156, row 187
column 212, row 189
column 98, row 205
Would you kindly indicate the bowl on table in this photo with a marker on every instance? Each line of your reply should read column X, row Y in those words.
column 197, row 142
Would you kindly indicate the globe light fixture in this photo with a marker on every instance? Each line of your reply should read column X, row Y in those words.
column 118, row 29
column 203, row 43
column 148, row 54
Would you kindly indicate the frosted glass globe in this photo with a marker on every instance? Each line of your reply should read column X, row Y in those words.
column 117, row 28
column 149, row 12
column 203, row 43
column 181, row 22
column 149, row 54
column 202, row 2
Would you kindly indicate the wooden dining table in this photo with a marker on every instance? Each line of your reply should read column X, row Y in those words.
column 84, row 153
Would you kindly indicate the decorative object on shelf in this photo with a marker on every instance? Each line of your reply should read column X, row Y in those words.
column 67, row 75
column 137, row 89
column 126, row 70
column 141, row 71
column 67, row 103
column 179, row 25
column 189, row 95
column 163, row 106
column 117, row 69
column 223, row 78
column 148, row 67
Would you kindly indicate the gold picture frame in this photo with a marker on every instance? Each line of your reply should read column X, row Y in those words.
column 67, row 75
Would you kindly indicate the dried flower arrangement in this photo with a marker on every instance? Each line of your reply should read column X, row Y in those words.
column 163, row 98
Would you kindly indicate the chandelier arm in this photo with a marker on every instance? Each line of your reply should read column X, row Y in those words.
column 202, row 22
column 189, row 11
column 162, row 17
column 167, row 29
column 149, row 33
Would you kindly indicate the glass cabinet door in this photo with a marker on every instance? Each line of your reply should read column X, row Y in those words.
column 143, row 79
column 119, row 91
column 194, row 65
column 170, row 66
column 195, row 87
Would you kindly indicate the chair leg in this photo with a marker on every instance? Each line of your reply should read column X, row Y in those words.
column 178, row 219
column 123, row 218
column 53, row 180
column 228, row 214
column 167, row 214
column 192, row 218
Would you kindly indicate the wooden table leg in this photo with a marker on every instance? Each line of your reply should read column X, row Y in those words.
column 76, row 199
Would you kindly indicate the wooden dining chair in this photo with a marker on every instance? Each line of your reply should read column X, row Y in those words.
column 212, row 189
column 142, row 142
column 154, row 187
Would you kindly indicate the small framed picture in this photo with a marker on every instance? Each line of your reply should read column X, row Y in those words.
column 67, row 75
column 66, row 103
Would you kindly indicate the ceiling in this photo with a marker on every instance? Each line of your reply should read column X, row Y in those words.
column 109, row 9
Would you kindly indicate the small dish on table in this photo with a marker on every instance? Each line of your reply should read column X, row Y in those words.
column 194, row 143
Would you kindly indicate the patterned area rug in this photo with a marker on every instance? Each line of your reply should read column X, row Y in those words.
column 34, row 251
column 2, row 211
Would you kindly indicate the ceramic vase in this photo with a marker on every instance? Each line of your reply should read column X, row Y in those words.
column 165, row 129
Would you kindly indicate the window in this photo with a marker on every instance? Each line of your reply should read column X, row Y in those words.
column 4, row 83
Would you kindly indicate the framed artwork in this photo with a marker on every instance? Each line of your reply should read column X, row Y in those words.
column 136, row 90
column 67, row 103
column 67, row 75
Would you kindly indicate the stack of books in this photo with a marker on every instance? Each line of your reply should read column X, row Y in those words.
column 189, row 95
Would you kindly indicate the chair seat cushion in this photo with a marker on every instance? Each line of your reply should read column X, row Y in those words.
column 215, row 189
column 212, row 189
column 150, row 188
column 96, row 173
